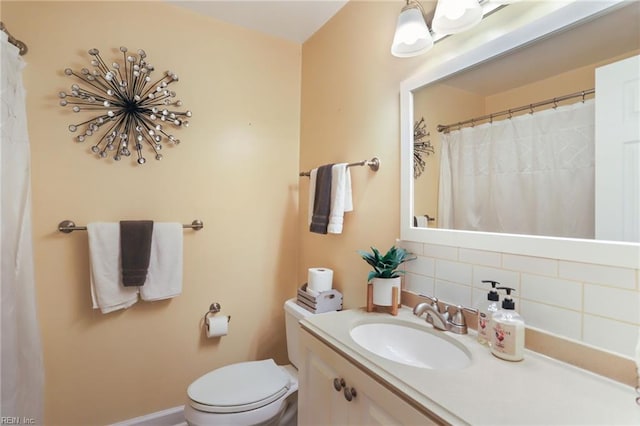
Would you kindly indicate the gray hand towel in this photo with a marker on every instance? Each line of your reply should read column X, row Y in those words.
column 322, row 200
column 135, row 248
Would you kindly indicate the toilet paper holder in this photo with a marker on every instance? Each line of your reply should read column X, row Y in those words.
column 214, row 308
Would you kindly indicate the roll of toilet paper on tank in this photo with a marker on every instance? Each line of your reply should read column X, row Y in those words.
column 319, row 279
column 217, row 325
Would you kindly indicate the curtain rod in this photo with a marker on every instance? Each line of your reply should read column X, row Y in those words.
column 374, row 164
column 446, row 128
column 22, row 47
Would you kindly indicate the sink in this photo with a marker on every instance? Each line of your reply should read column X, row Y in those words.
column 416, row 347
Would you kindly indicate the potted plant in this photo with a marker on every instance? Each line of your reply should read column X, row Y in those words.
column 385, row 274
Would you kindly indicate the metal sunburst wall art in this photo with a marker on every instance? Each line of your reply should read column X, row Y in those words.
column 129, row 110
column 421, row 147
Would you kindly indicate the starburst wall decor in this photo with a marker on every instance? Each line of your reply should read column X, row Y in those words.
column 420, row 147
column 129, row 110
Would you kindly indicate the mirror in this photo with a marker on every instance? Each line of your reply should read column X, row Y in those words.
column 583, row 35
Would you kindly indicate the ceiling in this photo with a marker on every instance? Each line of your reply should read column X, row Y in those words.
column 293, row 20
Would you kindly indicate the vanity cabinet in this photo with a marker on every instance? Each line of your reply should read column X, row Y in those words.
column 333, row 391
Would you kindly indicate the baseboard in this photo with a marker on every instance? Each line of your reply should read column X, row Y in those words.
column 169, row 417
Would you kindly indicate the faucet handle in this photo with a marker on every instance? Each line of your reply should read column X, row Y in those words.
column 457, row 321
column 433, row 301
column 458, row 317
column 445, row 311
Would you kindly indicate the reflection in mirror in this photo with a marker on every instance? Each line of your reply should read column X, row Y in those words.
column 526, row 159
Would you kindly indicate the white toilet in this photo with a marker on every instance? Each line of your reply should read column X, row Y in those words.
column 250, row 393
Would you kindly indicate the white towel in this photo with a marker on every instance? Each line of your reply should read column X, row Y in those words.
column 422, row 222
column 341, row 197
column 312, row 194
column 164, row 279
column 107, row 292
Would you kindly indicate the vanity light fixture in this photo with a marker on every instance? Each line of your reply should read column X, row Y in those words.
column 454, row 16
column 412, row 36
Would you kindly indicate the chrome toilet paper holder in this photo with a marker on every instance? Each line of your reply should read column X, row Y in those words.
column 214, row 308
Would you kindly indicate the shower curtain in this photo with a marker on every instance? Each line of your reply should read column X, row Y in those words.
column 532, row 174
column 21, row 364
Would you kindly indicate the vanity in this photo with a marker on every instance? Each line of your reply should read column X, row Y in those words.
column 342, row 383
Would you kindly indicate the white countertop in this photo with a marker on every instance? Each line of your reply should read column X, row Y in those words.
column 536, row 391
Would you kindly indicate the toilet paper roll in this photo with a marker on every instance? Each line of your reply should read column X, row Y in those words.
column 320, row 279
column 217, row 325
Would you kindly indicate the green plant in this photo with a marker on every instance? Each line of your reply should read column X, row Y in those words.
column 385, row 266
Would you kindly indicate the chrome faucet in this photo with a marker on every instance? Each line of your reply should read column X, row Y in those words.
column 442, row 320
column 439, row 320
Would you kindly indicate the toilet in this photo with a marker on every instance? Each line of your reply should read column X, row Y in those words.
column 250, row 393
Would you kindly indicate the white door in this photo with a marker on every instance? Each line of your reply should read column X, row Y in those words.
column 617, row 183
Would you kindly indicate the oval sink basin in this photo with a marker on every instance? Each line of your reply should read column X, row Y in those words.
column 411, row 346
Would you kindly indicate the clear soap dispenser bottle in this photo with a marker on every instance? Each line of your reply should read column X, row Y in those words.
column 486, row 309
column 508, row 330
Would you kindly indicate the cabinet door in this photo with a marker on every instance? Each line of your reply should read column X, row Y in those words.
column 320, row 404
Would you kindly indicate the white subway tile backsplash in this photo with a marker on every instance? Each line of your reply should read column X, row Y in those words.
column 481, row 257
column 560, row 321
column 534, row 265
column 456, row 272
column 419, row 284
column 412, row 247
column 441, row 252
column 504, row 277
column 421, row 265
column 454, row 294
column 598, row 274
column 612, row 303
column 552, row 291
column 477, row 296
column 596, row 304
column 611, row 335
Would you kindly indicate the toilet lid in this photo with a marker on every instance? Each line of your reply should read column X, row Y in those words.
column 239, row 387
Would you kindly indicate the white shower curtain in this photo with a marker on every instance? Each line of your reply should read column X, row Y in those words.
column 532, row 174
column 21, row 364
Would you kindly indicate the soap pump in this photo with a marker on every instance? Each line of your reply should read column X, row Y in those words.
column 486, row 309
column 508, row 330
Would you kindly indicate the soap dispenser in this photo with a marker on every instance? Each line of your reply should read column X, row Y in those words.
column 486, row 309
column 508, row 330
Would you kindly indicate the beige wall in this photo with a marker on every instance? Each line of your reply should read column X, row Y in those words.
column 236, row 170
column 572, row 81
column 439, row 104
column 351, row 112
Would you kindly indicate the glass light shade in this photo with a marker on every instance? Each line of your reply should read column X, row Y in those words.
column 454, row 16
column 412, row 35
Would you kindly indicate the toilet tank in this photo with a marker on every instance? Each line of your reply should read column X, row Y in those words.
column 292, row 314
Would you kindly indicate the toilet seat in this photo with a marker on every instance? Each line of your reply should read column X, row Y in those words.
column 239, row 387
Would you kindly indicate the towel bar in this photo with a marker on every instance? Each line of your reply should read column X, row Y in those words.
column 374, row 164
column 68, row 226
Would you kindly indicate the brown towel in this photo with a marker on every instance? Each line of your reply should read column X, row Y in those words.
column 322, row 200
column 135, row 248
